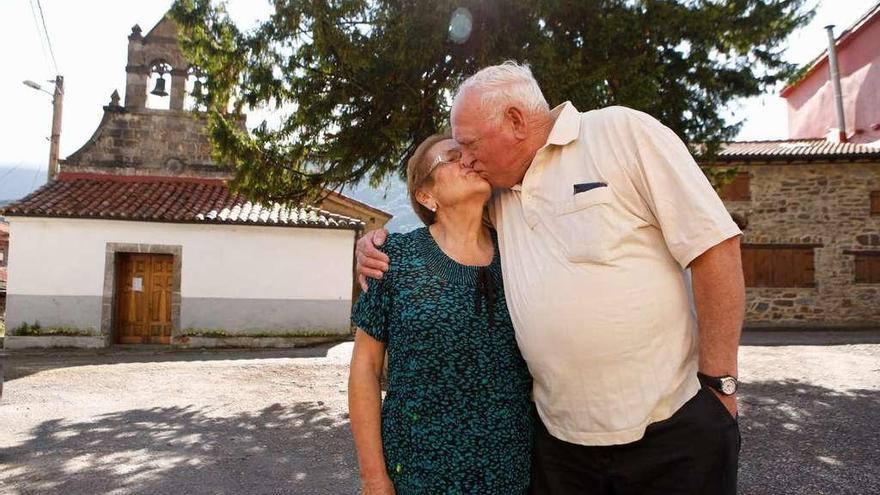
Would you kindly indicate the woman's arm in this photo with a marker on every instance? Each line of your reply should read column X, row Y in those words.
column 364, row 407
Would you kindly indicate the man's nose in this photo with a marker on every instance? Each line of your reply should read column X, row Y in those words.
column 467, row 159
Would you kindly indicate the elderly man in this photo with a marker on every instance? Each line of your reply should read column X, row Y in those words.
column 623, row 277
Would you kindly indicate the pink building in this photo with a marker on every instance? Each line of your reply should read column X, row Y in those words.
column 811, row 107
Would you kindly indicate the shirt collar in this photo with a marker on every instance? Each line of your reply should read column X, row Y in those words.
column 567, row 125
column 566, row 128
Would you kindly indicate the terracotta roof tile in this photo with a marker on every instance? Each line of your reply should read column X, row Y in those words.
column 796, row 150
column 164, row 199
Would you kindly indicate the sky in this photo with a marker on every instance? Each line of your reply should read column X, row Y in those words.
column 89, row 41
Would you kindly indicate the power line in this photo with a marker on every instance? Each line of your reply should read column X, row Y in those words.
column 8, row 172
column 34, row 180
column 48, row 40
column 40, row 36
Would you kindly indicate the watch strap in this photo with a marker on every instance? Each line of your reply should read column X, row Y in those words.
column 713, row 382
column 709, row 381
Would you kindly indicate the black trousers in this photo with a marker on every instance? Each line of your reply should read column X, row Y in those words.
column 695, row 452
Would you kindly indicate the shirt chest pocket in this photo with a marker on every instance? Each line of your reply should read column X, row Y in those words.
column 583, row 226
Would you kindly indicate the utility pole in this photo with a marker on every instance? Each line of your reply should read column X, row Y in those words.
column 55, row 140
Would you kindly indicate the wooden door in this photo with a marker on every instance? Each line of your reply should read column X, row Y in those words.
column 143, row 302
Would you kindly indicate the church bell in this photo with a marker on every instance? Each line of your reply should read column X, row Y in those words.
column 159, row 90
column 197, row 89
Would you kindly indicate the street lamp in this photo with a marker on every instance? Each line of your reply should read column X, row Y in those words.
column 57, row 101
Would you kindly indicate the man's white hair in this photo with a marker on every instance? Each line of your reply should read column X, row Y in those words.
column 499, row 86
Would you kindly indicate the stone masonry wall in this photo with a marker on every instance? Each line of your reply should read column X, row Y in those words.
column 827, row 204
column 147, row 142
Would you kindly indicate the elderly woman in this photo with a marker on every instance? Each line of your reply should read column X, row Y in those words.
column 457, row 415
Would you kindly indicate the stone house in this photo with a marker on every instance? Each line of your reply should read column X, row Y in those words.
column 810, row 205
column 810, row 213
column 139, row 239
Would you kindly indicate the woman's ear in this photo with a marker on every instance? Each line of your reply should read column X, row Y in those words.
column 426, row 199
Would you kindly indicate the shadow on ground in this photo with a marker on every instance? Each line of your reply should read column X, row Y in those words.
column 798, row 438
column 300, row 449
column 22, row 363
column 805, row 439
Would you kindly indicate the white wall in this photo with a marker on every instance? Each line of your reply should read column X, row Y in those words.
column 65, row 257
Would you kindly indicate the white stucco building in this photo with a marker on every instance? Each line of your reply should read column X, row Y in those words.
column 92, row 256
column 72, row 276
column 139, row 238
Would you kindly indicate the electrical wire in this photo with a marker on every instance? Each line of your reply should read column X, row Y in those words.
column 40, row 36
column 48, row 40
column 8, row 172
column 34, row 180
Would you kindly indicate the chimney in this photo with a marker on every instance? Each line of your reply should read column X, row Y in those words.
column 837, row 135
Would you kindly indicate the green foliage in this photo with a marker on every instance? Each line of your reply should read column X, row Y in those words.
column 220, row 333
column 36, row 329
column 720, row 176
column 361, row 82
column 798, row 74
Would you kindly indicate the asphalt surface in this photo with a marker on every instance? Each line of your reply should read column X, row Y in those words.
column 274, row 421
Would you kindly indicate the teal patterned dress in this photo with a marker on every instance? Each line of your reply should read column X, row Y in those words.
column 457, row 418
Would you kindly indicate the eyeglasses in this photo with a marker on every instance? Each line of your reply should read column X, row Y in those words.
column 446, row 157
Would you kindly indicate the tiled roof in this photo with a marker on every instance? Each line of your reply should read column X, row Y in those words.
column 164, row 199
column 796, row 150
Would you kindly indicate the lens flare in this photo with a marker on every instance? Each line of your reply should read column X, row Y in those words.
column 460, row 25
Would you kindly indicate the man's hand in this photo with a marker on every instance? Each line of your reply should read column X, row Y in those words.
column 729, row 402
column 370, row 261
column 377, row 486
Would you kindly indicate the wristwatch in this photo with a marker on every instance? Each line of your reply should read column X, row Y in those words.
column 724, row 385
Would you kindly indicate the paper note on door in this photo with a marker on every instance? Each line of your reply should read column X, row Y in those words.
column 137, row 284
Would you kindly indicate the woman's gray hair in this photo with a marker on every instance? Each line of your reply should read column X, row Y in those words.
column 418, row 173
column 498, row 86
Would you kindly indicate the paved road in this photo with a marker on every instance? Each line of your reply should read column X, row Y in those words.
column 271, row 422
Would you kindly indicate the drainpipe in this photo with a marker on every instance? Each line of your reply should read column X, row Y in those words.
column 840, row 136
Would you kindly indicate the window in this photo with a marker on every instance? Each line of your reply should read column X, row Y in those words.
column 738, row 190
column 778, row 265
column 867, row 266
column 875, row 203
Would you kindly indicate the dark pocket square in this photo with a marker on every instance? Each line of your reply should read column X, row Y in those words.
column 587, row 186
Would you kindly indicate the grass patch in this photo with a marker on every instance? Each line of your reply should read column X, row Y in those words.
column 219, row 333
column 37, row 330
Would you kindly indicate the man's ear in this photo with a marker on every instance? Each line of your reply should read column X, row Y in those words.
column 517, row 121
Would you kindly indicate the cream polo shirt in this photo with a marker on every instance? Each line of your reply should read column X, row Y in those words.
column 595, row 243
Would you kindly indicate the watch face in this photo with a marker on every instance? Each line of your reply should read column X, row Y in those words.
column 728, row 386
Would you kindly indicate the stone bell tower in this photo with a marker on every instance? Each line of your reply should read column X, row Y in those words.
column 157, row 52
column 133, row 139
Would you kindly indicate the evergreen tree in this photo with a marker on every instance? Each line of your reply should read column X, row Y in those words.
column 358, row 83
